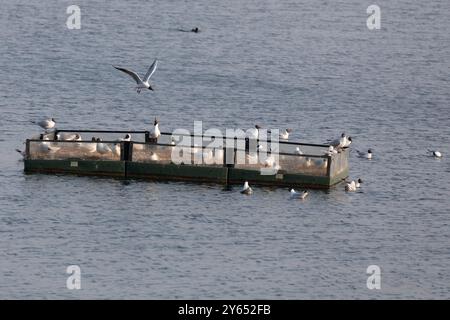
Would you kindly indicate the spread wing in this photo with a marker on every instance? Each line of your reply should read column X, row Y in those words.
column 151, row 70
column 130, row 73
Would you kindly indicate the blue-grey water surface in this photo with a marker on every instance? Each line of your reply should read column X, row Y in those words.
column 310, row 65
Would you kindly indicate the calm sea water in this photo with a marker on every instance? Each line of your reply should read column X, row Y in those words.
column 310, row 65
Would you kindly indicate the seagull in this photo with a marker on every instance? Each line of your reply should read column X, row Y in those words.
column 367, row 155
column 350, row 186
column 92, row 146
column 436, row 154
column 285, row 134
column 340, row 142
column 155, row 132
column 154, row 156
column 298, row 151
column 353, row 185
column 253, row 133
column 102, row 148
column 116, row 149
column 347, row 143
column 46, row 124
column 331, row 151
column 66, row 136
column 45, row 147
column 246, row 189
column 298, row 195
column 141, row 83
column 23, row 153
column 127, row 137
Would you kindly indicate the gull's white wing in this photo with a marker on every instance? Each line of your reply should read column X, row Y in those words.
column 130, row 73
column 151, row 70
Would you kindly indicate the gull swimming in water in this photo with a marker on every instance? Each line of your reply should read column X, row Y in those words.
column 298, row 195
column 141, row 83
column 367, row 155
column 353, row 185
column 285, row 134
column 435, row 154
column 246, row 189
column 46, row 124
column 155, row 133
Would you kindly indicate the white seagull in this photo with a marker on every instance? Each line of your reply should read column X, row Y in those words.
column 339, row 143
column 46, row 124
column 253, row 133
column 155, row 132
column 246, row 189
column 350, row 186
column 67, row 136
column 141, row 83
column 298, row 151
column 298, row 195
column 102, row 148
column 367, row 155
column 285, row 134
column 126, row 138
column 435, row 154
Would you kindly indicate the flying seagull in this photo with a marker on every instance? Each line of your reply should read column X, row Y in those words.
column 141, row 83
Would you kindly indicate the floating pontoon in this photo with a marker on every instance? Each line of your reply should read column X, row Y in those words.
column 238, row 159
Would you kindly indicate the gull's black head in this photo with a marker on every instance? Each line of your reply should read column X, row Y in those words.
column 349, row 138
column 155, row 122
column 127, row 136
column 195, row 30
column 360, row 181
column 257, row 126
column 93, row 139
column 289, row 130
column 150, row 88
column 369, row 151
column 53, row 120
column 343, row 135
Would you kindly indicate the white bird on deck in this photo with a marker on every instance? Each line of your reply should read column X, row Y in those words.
column 331, row 150
column 435, row 154
column 91, row 146
column 298, row 151
column 347, row 142
column 155, row 133
column 46, row 124
column 285, row 134
column 340, row 142
column 366, row 155
column 141, row 83
column 298, row 195
column 67, row 136
column 116, row 149
column 253, row 133
column 246, row 189
column 46, row 147
column 102, row 148
column 126, row 138
column 154, row 156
